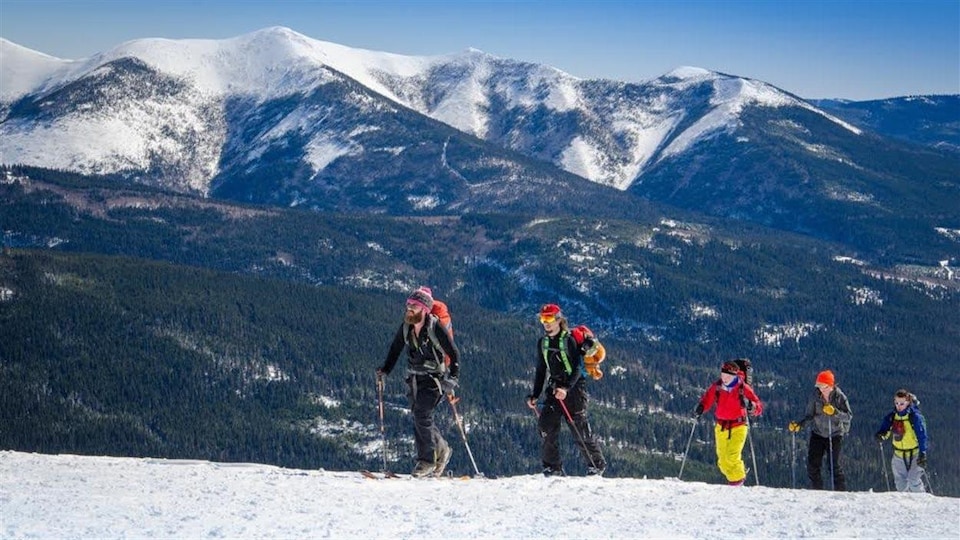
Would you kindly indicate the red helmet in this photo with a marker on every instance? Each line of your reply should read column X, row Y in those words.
column 550, row 313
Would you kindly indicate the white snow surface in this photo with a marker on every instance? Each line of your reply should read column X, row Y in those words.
column 68, row 496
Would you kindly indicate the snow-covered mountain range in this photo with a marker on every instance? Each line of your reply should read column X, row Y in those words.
column 155, row 102
column 279, row 118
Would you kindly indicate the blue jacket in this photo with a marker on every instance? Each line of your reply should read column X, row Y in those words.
column 914, row 427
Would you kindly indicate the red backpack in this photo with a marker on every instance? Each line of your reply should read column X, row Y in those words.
column 442, row 314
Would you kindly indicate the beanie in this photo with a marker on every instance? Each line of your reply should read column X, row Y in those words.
column 730, row 367
column 422, row 297
column 825, row 377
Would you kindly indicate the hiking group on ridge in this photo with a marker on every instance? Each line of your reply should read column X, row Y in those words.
column 566, row 357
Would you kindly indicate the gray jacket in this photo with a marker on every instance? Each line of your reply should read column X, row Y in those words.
column 828, row 426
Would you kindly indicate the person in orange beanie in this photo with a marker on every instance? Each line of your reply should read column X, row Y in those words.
column 829, row 415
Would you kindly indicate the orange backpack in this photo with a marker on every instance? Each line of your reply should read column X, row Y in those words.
column 593, row 351
column 442, row 314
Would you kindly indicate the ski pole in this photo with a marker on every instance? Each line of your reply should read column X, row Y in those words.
column 573, row 426
column 383, row 429
column 926, row 476
column 883, row 464
column 463, row 434
column 687, row 449
column 793, row 459
column 753, row 455
column 833, row 481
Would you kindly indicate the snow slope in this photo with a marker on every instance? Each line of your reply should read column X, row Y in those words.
column 66, row 496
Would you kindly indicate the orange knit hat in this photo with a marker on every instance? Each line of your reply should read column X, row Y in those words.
column 826, row 377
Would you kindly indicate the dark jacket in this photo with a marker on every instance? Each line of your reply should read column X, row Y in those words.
column 553, row 370
column 822, row 424
column 422, row 356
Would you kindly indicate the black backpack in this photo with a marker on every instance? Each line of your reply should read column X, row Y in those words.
column 746, row 367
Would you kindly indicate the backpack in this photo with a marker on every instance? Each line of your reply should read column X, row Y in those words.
column 746, row 367
column 593, row 351
column 439, row 314
column 442, row 314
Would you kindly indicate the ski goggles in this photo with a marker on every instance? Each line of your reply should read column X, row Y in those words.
column 548, row 319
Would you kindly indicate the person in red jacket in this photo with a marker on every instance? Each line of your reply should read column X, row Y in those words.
column 734, row 399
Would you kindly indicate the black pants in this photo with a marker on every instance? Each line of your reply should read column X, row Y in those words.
column 550, row 417
column 819, row 448
column 424, row 396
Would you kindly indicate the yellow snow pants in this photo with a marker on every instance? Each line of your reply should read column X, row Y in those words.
column 729, row 451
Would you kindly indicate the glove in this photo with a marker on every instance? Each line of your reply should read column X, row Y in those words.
column 793, row 427
column 829, row 410
column 880, row 436
column 753, row 409
column 532, row 401
column 698, row 410
column 922, row 459
column 449, row 385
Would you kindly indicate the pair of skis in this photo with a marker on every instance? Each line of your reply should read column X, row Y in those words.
column 387, row 475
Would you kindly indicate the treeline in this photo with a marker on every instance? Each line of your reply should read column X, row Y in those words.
column 107, row 355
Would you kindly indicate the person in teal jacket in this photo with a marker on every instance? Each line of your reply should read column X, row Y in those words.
column 909, row 433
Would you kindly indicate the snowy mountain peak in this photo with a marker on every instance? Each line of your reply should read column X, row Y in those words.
column 610, row 132
column 690, row 73
column 23, row 69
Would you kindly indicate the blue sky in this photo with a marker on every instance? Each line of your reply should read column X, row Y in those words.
column 853, row 49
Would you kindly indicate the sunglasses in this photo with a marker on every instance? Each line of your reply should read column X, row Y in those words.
column 548, row 319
